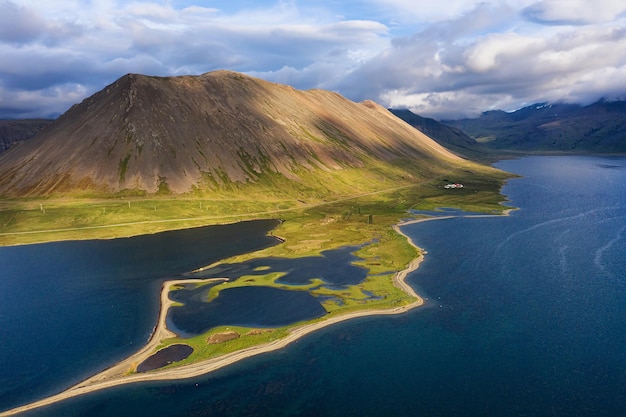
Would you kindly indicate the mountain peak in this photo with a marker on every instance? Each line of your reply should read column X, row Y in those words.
column 207, row 131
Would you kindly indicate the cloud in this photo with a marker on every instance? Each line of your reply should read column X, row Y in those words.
column 441, row 59
column 463, row 66
column 20, row 25
column 43, row 103
column 17, row 24
column 435, row 60
column 575, row 12
column 64, row 43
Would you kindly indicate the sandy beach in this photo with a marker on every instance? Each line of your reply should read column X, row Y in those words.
column 120, row 373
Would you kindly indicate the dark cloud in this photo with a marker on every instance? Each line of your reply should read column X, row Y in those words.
column 574, row 12
column 45, row 103
column 19, row 25
column 22, row 26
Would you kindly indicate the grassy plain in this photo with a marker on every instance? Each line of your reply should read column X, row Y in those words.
column 308, row 226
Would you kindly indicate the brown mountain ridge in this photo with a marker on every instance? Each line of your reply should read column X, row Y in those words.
column 185, row 133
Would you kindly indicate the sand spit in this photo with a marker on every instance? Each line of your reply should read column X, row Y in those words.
column 120, row 374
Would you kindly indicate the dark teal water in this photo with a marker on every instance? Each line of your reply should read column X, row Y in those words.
column 71, row 309
column 526, row 317
column 264, row 307
column 334, row 267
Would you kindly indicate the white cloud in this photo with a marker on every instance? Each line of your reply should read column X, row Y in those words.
column 491, row 52
column 447, row 104
column 443, row 58
column 95, row 42
column 463, row 66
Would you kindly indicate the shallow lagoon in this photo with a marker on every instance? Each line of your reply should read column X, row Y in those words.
column 264, row 307
column 334, row 267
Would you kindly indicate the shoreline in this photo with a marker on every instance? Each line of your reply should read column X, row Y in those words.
column 117, row 374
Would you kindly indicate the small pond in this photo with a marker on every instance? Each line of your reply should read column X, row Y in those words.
column 165, row 356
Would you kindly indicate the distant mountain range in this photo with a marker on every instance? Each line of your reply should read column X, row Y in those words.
column 599, row 127
column 13, row 132
column 451, row 137
column 219, row 131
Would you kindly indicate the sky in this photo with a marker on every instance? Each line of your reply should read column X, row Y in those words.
column 444, row 59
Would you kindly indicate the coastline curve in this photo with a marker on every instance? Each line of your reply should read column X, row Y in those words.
column 117, row 374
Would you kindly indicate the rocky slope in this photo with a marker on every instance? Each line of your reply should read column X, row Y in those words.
column 186, row 133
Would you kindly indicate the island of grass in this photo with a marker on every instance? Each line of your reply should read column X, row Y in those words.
column 309, row 225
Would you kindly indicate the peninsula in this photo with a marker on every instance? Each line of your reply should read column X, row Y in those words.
column 119, row 373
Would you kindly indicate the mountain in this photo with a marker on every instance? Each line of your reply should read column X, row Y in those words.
column 598, row 127
column 14, row 131
column 218, row 131
column 448, row 136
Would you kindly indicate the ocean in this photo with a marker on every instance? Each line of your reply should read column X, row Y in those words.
column 525, row 316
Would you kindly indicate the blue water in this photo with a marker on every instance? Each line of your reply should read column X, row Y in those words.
column 526, row 316
column 263, row 307
column 70, row 309
column 334, row 267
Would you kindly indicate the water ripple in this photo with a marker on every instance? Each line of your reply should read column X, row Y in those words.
column 512, row 236
column 600, row 254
